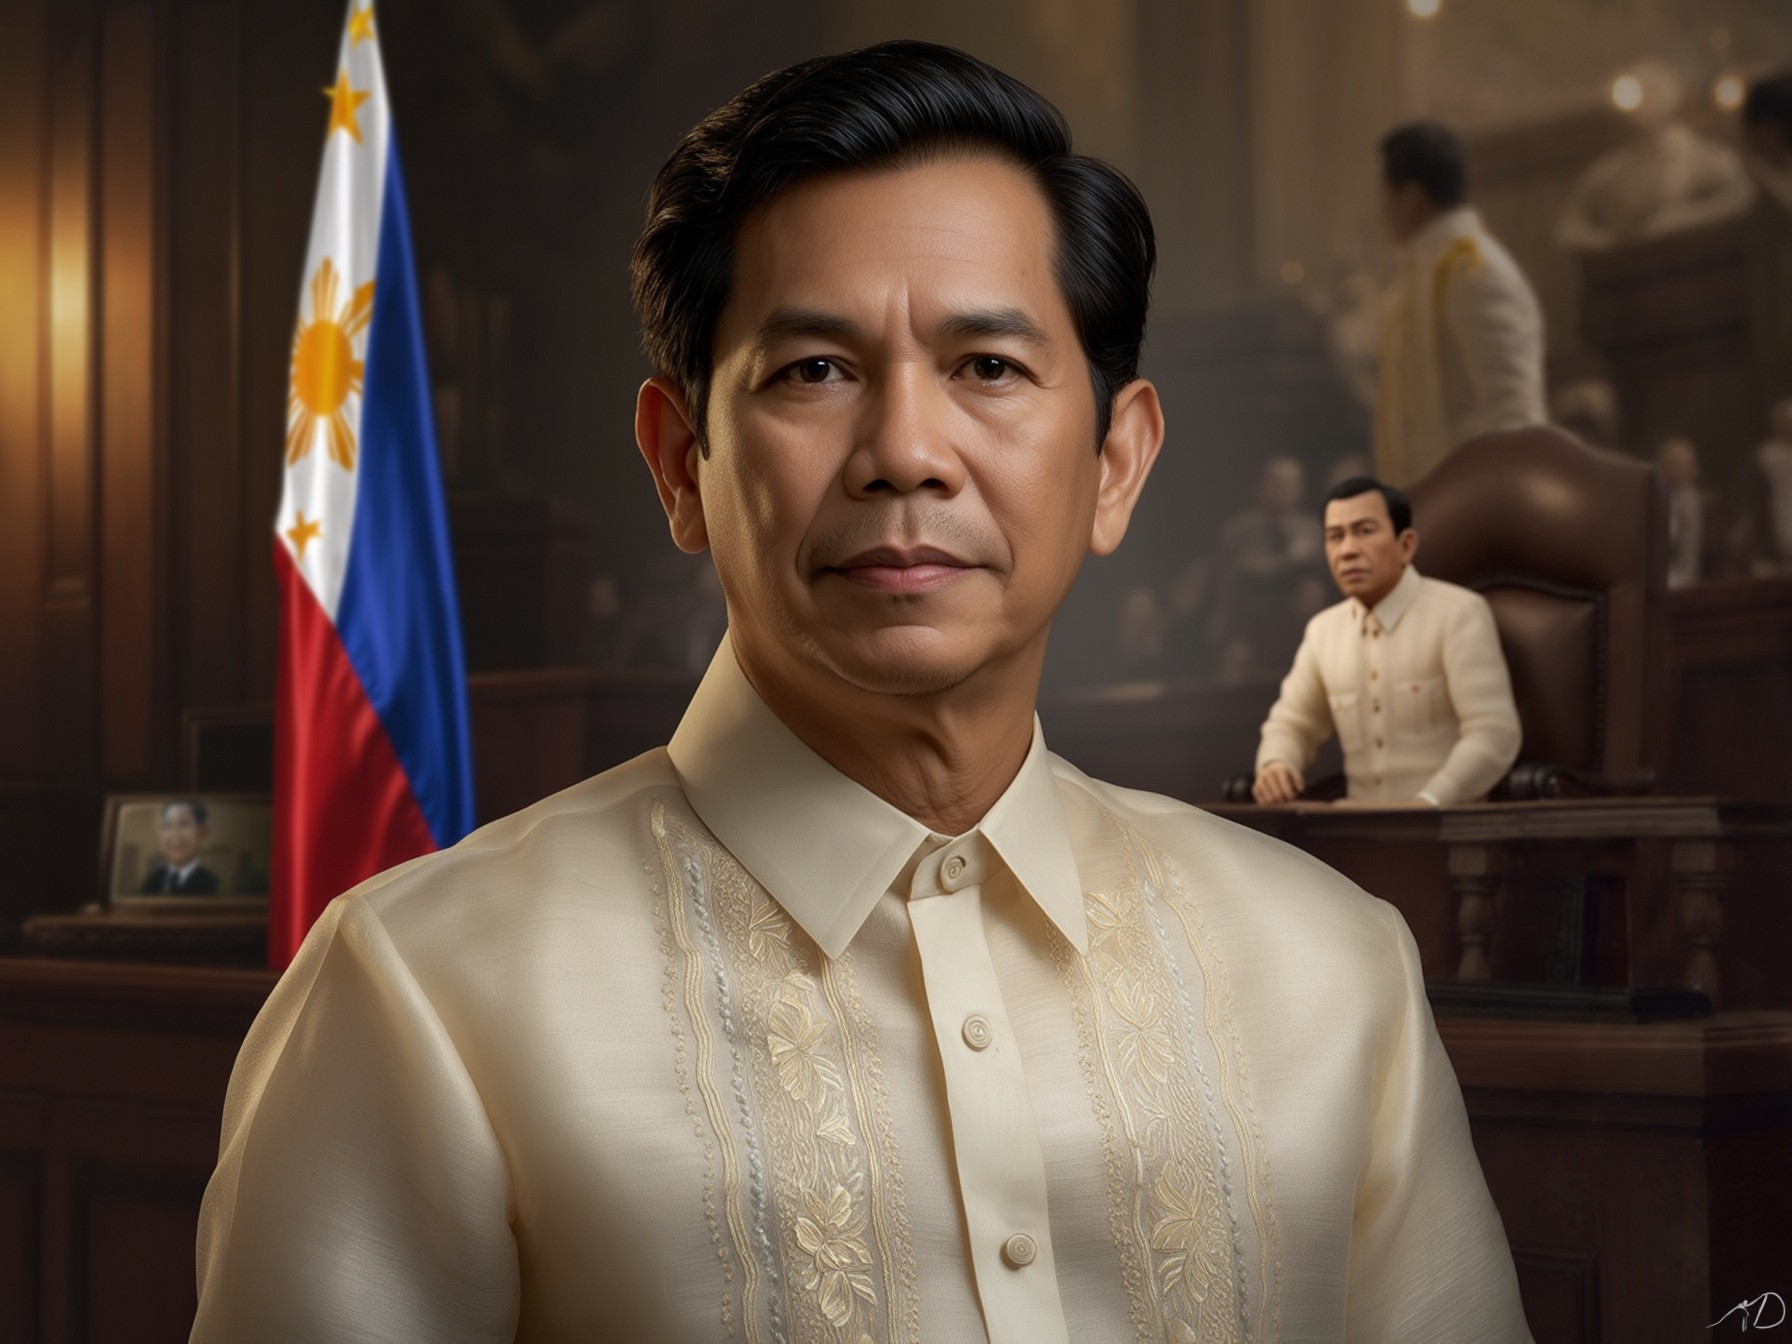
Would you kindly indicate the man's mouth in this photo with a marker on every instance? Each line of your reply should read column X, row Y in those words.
column 901, row 569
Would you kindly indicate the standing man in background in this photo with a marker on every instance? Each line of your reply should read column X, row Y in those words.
column 1462, row 339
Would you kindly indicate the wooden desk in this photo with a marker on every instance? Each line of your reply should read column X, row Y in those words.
column 1654, row 892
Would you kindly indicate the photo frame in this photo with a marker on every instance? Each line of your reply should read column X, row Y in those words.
column 186, row 853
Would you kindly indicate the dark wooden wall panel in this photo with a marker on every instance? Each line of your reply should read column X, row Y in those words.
column 156, row 180
column 68, row 712
column 132, row 618
column 214, row 525
column 23, row 112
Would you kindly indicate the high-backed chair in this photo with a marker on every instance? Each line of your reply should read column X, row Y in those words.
column 1568, row 544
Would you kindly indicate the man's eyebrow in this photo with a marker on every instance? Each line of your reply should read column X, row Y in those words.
column 996, row 322
column 790, row 324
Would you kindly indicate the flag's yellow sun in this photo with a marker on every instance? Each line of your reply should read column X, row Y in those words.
column 325, row 372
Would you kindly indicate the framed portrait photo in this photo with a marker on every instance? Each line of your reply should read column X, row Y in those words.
column 187, row 853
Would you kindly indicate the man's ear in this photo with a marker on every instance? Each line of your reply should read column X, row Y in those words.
column 1135, row 434
column 1409, row 544
column 668, row 440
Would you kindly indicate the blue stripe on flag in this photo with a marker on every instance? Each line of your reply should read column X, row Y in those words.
column 399, row 619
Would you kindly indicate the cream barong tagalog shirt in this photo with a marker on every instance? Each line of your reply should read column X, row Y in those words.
column 1416, row 689
column 719, row 1046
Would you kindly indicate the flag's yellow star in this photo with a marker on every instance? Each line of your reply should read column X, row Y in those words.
column 360, row 26
column 344, row 103
column 302, row 533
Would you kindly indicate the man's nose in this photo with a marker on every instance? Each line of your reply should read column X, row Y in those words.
column 904, row 438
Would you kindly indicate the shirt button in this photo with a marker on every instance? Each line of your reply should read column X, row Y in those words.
column 1379, row 743
column 977, row 1032
column 1376, row 706
column 1020, row 1250
column 954, row 868
column 1374, row 674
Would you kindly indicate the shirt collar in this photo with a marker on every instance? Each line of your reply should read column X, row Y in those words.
column 1391, row 608
column 826, row 847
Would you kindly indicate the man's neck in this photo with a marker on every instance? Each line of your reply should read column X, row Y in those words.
column 1424, row 230
column 1371, row 602
column 943, row 758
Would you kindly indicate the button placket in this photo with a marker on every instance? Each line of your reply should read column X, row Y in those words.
column 989, row 1108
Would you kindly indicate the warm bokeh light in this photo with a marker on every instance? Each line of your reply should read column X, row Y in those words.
column 1728, row 92
column 1423, row 9
column 1293, row 272
column 1627, row 93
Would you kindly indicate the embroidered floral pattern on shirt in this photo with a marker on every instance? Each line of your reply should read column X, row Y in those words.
column 831, row 1168
column 1234, row 1089
column 1167, row 1140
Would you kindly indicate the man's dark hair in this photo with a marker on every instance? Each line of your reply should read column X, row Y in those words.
column 1399, row 506
column 1770, row 100
column 887, row 106
column 193, row 806
column 1429, row 154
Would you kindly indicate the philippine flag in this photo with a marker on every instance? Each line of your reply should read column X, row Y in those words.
column 372, row 758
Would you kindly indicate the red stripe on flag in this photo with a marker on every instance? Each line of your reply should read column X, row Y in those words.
column 343, row 807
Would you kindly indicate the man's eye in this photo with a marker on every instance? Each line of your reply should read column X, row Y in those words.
column 810, row 371
column 990, row 368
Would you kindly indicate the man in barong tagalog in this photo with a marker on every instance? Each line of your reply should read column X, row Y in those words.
column 854, row 1014
column 1462, row 333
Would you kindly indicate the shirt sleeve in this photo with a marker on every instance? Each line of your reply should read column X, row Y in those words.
column 1300, row 721
column 360, row 1192
column 1428, row 1255
column 1480, row 689
column 1493, row 319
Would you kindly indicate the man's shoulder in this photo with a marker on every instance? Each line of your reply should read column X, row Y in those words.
column 573, row 837
column 1450, row 597
column 1480, row 265
column 1339, row 618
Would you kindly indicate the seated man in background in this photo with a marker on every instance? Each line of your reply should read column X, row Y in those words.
column 1406, row 670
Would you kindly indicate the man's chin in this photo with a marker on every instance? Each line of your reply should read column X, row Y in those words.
column 904, row 662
